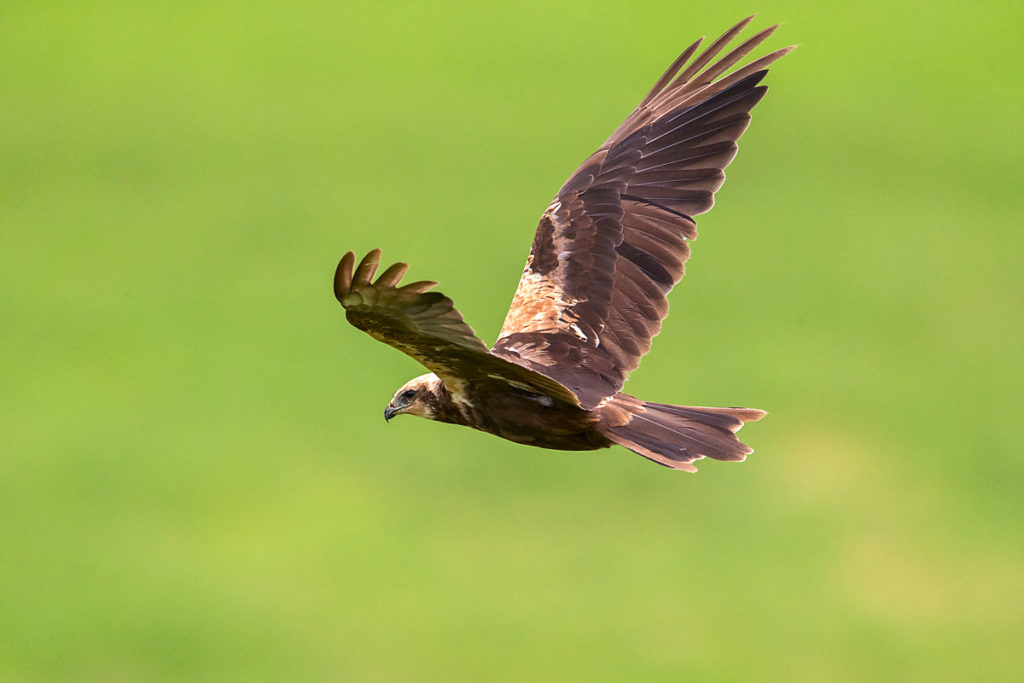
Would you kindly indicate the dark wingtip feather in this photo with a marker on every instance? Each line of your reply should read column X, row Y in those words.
column 671, row 71
column 750, row 414
column 417, row 287
column 392, row 276
column 367, row 267
column 343, row 275
column 712, row 50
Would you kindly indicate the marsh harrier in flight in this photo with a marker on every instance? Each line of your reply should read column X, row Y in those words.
column 593, row 293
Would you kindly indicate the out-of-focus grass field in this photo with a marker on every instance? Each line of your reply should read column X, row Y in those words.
column 196, row 479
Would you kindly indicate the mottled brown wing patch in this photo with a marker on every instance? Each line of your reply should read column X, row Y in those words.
column 614, row 242
column 426, row 326
column 568, row 273
column 539, row 302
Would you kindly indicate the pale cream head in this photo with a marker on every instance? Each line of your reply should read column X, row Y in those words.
column 416, row 397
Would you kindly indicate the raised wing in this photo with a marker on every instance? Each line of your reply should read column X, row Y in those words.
column 426, row 326
column 613, row 243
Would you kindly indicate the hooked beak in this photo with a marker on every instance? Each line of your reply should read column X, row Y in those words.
column 389, row 412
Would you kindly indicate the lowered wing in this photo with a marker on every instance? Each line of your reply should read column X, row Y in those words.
column 426, row 326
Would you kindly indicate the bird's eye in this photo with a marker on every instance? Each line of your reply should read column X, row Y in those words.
column 409, row 394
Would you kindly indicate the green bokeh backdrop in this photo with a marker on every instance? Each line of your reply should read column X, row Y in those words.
column 196, row 480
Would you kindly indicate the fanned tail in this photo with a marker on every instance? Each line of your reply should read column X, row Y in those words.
column 676, row 436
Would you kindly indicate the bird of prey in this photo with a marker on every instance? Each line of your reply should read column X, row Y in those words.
column 593, row 294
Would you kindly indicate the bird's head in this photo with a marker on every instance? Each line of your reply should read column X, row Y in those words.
column 418, row 396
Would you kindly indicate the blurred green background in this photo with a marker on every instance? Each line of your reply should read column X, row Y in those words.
column 196, row 480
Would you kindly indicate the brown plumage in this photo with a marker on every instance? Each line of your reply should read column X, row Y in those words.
column 607, row 251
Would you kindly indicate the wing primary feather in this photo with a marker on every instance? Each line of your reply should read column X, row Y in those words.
column 719, row 101
column 634, row 198
column 709, row 131
column 392, row 276
column 343, row 275
column 671, row 72
column 367, row 267
column 712, row 50
column 757, row 65
column 417, row 287
column 726, row 62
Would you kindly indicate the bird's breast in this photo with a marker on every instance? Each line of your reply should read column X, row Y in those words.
column 530, row 418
